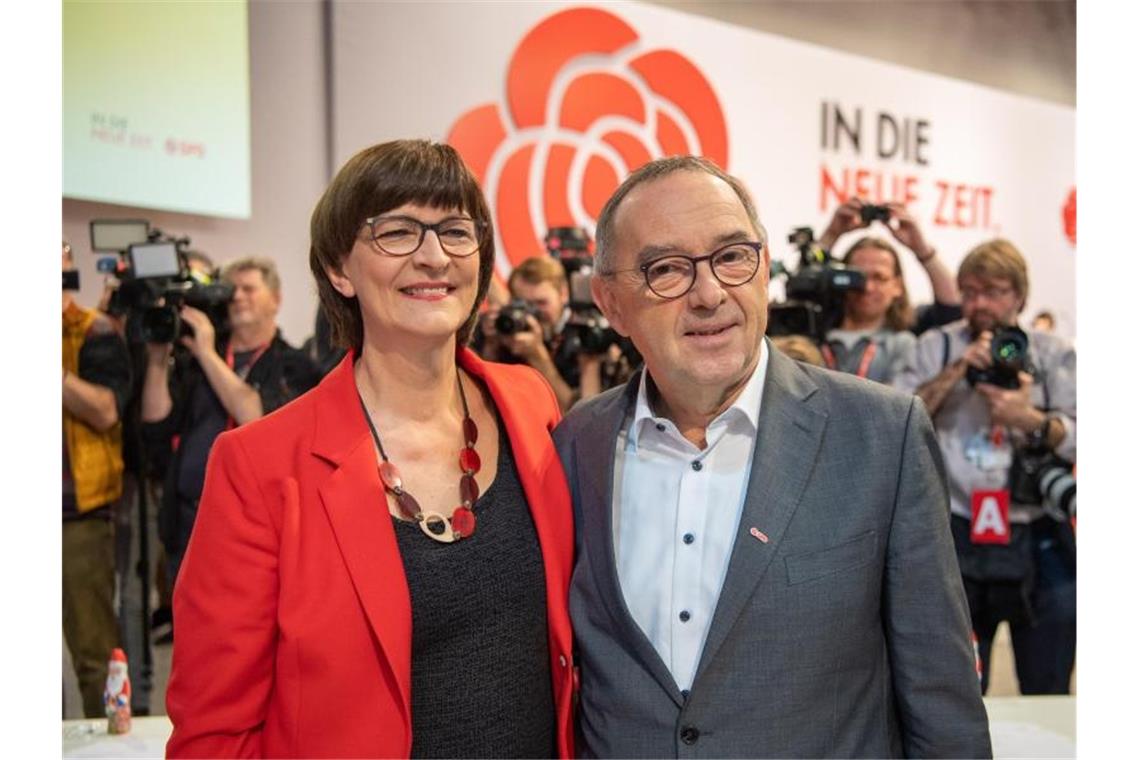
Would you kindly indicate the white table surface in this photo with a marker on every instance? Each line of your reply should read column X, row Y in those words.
column 1041, row 727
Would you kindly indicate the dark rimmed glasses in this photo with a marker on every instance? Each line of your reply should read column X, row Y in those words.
column 674, row 276
column 403, row 235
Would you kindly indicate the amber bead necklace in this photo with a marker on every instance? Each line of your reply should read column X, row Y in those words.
column 435, row 526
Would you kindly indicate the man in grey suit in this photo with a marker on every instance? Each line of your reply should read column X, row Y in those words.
column 764, row 562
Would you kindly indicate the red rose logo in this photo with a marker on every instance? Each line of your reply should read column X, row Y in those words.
column 1069, row 216
column 586, row 105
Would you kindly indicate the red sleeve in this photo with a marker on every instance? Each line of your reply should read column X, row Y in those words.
column 225, row 613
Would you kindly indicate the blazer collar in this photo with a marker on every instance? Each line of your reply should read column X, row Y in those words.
column 789, row 436
column 354, row 501
column 340, row 425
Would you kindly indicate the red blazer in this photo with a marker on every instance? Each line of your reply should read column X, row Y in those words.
column 293, row 620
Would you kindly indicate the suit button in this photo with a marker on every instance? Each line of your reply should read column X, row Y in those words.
column 690, row 734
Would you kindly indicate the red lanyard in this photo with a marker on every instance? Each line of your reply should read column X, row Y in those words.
column 230, row 422
column 869, row 352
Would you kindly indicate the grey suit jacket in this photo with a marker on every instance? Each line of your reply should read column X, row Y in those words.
column 845, row 635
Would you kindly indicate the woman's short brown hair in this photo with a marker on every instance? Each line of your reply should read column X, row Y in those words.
column 379, row 179
column 900, row 314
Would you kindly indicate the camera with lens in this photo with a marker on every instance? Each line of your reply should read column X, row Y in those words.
column 814, row 293
column 154, row 281
column 512, row 317
column 586, row 330
column 1009, row 350
column 871, row 213
column 1038, row 476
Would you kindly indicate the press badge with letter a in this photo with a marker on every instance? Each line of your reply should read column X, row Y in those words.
column 989, row 517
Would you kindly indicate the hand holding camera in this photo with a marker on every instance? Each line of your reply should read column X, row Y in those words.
column 978, row 354
column 526, row 341
column 849, row 216
column 201, row 341
column 1012, row 406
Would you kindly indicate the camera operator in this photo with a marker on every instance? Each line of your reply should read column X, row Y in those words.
column 1004, row 404
column 857, row 214
column 218, row 382
column 872, row 341
column 538, row 312
column 96, row 382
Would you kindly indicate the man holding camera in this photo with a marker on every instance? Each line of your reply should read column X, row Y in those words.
column 856, row 214
column 529, row 327
column 1004, row 408
column 218, row 383
column 96, row 382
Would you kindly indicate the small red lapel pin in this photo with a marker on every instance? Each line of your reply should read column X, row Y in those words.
column 759, row 535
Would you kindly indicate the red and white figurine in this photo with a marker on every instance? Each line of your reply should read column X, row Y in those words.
column 117, row 694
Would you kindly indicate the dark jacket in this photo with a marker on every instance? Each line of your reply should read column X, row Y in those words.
column 179, row 445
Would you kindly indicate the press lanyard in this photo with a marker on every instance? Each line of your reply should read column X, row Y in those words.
column 230, row 422
column 869, row 352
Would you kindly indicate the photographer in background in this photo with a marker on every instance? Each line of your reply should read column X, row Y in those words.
column 1004, row 407
column 96, row 382
column 529, row 329
column 218, row 382
column 856, row 214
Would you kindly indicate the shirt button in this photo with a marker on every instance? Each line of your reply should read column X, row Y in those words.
column 687, row 538
column 690, row 734
column 684, row 616
column 697, row 465
column 660, row 427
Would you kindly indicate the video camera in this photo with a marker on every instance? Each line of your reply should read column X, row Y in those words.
column 1038, row 476
column 1009, row 350
column 814, row 293
column 512, row 317
column 154, row 280
column 587, row 330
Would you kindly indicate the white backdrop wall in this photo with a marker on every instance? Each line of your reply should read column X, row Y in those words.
column 288, row 165
column 992, row 163
column 411, row 70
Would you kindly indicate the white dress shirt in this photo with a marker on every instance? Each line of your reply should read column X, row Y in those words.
column 676, row 512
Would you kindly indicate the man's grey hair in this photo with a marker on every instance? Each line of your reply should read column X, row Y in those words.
column 262, row 264
column 605, row 234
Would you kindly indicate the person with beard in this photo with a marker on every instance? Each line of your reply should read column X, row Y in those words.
column 1028, row 577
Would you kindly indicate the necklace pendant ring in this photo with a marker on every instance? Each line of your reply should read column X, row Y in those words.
column 430, row 522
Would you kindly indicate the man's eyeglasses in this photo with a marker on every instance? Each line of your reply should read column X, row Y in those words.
column 402, row 235
column 674, row 276
column 991, row 294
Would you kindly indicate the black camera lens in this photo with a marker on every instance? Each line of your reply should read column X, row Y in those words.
column 512, row 318
column 160, row 324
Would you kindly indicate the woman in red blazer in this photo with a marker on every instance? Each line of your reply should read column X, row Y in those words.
column 380, row 568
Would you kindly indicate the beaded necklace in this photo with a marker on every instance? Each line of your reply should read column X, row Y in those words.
column 435, row 526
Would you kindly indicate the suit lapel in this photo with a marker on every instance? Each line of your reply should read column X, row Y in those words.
column 789, row 435
column 542, row 479
column 354, row 501
column 595, row 473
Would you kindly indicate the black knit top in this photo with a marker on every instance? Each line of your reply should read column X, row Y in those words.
column 481, row 682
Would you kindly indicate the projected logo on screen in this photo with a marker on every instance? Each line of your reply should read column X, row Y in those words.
column 587, row 104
